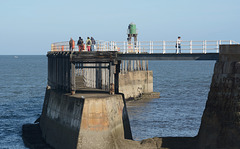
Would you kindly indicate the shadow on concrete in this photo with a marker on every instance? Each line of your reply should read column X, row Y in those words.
column 179, row 142
column 32, row 137
column 91, row 90
column 170, row 143
column 125, row 119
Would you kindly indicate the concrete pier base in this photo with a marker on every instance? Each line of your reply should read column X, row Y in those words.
column 84, row 120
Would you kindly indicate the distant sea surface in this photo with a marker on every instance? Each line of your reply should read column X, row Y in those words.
column 183, row 85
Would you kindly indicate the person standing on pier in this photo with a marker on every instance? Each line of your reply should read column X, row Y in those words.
column 79, row 43
column 178, row 45
column 88, row 43
column 93, row 43
column 71, row 44
column 83, row 46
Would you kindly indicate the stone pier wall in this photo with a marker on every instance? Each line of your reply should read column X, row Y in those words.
column 133, row 83
column 95, row 121
column 220, row 127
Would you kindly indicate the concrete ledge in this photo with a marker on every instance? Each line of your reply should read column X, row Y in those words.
column 229, row 53
column 229, row 49
column 132, row 84
column 151, row 95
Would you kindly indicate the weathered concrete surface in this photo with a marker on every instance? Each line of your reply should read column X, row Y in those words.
column 60, row 119
column 96, row 121
column 132, row 84
column 33, row 139
column 220, row 127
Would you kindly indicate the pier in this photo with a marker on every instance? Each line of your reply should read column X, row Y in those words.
column 75, row 71
column 84, row 105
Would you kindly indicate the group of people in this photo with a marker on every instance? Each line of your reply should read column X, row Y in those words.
column 90, row 44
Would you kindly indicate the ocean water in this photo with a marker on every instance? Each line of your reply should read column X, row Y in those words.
column 183, row 85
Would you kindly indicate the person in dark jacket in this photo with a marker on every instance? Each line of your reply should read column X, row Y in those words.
column 79, row 43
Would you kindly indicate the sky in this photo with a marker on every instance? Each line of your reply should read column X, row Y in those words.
column 28, row 27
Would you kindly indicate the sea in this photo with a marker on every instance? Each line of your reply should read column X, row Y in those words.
column 183, row 87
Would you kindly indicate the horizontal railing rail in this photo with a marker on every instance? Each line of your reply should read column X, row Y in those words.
column 205, row 46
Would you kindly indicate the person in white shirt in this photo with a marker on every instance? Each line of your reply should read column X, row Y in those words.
column 178, row 45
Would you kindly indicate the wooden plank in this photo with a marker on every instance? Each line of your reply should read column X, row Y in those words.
column 103, row 67
column 111, row 75
column 116, row 78
column 73, row 83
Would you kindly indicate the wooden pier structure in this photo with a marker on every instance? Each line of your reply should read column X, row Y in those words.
column 63, row 67
column 73, row 71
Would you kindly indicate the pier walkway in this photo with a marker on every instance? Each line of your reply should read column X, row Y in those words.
column 156, row 50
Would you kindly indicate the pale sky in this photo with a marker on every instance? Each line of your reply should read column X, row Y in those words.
column 28, row 27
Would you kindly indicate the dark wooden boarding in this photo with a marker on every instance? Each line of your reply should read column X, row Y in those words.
column 62, row 66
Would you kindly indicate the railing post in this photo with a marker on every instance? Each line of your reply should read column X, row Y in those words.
column 150, row 47
column 124, row 47
column 164, row 47
column 139, row 44
column 107, row 46
column 127, row 46
column 230, row 42
column 52, row 47
column 110, row 46
column 205, row 47
column 191, row 47
column 217, row 46
column 136, row 47
column 114, row 47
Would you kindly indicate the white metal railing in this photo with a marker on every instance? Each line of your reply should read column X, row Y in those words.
column 205, row 46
